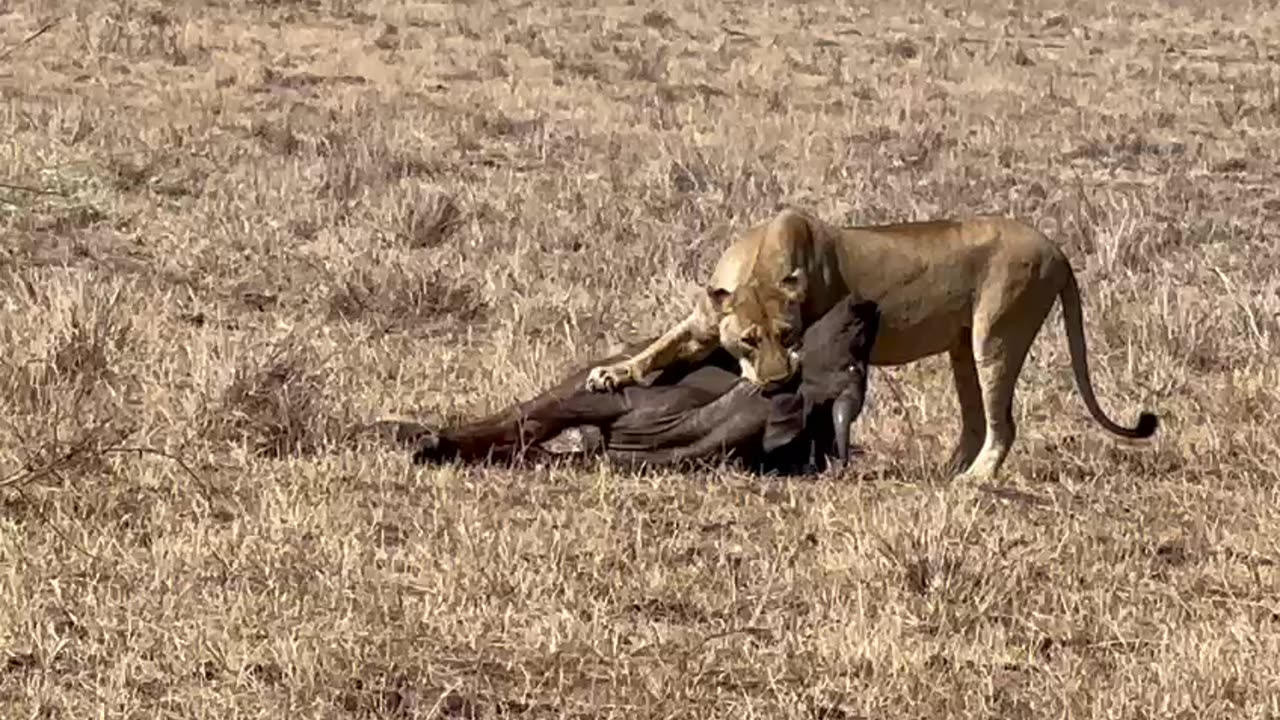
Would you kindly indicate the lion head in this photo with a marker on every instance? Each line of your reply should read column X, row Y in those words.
column 760, row 323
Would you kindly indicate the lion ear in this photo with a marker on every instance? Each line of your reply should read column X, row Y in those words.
column 793, row 285
column 721, row 299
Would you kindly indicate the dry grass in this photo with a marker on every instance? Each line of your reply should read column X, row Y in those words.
column 232, row 230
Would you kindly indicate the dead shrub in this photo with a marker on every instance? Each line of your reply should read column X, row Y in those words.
column 64, row 407
column 357, row 148
column 427, row 218
column 279, row 406
column 276, row 135
column 79, row 366
column 400, row 294
column 84, row 355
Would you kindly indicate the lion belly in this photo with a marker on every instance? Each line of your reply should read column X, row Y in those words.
column 919, row 319
column 926, row 302
column 898, row 345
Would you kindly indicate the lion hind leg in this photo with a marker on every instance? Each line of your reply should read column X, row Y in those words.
column 1001, row 344
column 998, row 375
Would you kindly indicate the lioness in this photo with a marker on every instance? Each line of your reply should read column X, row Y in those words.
column 977, row 289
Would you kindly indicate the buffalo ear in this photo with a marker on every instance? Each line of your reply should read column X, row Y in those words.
column 720, row 298
column 793, row 285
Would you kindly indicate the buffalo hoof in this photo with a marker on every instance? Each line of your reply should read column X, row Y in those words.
column 434, row 448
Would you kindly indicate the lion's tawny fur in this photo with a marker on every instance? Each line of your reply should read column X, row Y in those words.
column 978, row 289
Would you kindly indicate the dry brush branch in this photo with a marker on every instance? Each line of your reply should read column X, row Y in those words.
column 4, row 55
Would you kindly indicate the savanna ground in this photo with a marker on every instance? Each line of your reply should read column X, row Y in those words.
column 233, row 231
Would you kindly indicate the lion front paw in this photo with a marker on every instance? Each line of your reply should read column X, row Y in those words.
column 607, row 378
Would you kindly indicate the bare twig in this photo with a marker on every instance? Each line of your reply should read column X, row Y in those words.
column 94, row 444
column 30, row 472
column 157, row 453
column 43, row 29
column 201, row 485
column 32, row 190
column 57, row 530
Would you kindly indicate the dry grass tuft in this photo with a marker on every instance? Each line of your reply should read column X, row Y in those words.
column 402, row 294
column 72, row 368
column 428, row 217
column 280, row 406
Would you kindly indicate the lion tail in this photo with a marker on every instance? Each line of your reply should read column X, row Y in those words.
column 1073, row 318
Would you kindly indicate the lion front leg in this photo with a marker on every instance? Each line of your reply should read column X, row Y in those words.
column 688, row 340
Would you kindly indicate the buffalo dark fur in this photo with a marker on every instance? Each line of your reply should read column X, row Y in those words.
column 696, row 411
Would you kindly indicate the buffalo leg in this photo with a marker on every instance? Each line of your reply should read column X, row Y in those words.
column 507, row 434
